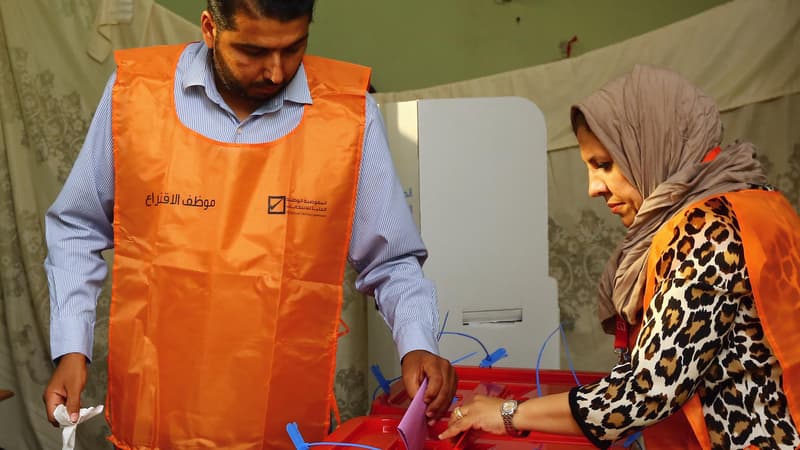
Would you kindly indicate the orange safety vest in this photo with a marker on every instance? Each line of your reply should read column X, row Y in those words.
column 229, row 263
column 770, row 231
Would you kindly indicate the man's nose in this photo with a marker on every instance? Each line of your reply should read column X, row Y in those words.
column 274, row 68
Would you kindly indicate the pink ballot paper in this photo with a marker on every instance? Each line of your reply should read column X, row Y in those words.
column 413, row 426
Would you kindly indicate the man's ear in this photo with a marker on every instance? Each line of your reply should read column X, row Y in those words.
column 208, row 28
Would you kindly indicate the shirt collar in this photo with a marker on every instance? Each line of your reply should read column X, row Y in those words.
column 200, row 73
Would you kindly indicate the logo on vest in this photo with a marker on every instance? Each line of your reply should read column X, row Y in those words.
column 276, row 204
column 281, row 204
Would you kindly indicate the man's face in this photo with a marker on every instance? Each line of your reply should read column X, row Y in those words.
column 256, row 59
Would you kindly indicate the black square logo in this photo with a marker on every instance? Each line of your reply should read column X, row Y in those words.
column 276, row 204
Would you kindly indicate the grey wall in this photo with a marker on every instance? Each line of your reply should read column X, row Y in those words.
column 419, row 43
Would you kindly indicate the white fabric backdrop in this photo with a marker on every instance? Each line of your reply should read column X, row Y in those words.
column 55, row 56
column 740, row 53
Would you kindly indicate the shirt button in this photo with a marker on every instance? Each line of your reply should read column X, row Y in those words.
column 238, row 131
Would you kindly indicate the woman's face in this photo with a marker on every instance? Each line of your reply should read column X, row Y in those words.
column 606, row 179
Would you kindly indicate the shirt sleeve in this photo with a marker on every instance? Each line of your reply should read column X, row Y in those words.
column 386, row 248
column 77, row 229
column 691, row 313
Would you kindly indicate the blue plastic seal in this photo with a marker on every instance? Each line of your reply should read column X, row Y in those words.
column 295, row 436
column 383, row 383
column 496, row 355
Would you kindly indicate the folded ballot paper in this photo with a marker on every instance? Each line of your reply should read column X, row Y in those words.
column 68, row 428
column 413, row 426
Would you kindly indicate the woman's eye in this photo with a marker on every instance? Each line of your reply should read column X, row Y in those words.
column 603, row 165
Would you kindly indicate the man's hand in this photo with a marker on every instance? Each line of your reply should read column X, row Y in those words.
column 419, row 364
column 65, row 386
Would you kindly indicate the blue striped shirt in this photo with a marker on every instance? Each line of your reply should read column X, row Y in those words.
column 385, row 246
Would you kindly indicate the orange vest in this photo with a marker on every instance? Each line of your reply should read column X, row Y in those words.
column 228, row 266
column 771, row 249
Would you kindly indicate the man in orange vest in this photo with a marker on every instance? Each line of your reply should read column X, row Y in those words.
column 234, row 178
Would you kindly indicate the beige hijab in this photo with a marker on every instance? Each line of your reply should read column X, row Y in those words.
column 658, row 127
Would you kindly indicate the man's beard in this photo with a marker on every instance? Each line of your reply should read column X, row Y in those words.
column 232, row 84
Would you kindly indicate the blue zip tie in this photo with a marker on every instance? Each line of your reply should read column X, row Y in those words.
column 497, row 355
column 382, row 382
column 489, row 360
column 344, row 444
column 539, row 360
column 470, row 337
column 301, row 444
column 567, row 352
column 389, row 382
column 458, row 360
column 631, row 439
column 566, row 349
column 375, row 392
column 295, row 436
column 444, row 324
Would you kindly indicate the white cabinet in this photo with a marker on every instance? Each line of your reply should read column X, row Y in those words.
column 475, row 174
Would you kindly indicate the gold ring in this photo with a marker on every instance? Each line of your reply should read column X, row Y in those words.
column 458, row 413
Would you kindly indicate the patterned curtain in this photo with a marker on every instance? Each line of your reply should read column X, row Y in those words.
column 42, row 125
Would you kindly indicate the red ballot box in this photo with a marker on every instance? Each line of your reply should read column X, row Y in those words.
column 379, row 429
column 381, row 432
column 519, row 384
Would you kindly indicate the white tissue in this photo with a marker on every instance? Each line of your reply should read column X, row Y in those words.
column 68, row 428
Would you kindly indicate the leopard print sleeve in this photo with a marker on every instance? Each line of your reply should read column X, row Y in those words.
column 700, row 280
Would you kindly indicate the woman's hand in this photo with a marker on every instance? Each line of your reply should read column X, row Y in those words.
column 549, row 414
column 482, row 413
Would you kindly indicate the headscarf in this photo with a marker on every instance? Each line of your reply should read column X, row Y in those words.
column 658, row 127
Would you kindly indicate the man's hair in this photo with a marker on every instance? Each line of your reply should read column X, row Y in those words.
column 223, row 11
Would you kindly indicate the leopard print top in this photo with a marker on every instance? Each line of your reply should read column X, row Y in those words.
column 701, row 335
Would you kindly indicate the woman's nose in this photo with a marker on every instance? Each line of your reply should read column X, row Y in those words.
column 597, row 187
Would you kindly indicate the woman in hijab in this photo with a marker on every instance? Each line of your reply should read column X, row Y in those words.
column 703, row 292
